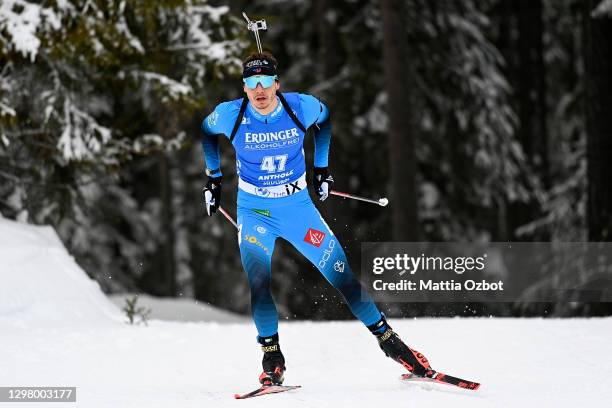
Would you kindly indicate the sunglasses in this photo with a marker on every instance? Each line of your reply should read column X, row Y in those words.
column 266, row 81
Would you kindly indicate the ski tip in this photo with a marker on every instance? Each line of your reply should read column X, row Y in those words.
column 264, row 390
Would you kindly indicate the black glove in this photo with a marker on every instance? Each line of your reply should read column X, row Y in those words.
column 323, row 182
column 212, row 194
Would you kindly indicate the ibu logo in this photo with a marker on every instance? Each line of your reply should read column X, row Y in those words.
column 262, row 192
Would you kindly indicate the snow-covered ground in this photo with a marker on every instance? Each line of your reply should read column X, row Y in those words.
column 183, row 310
column 58, row 329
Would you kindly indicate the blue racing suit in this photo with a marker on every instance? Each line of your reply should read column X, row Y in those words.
column 273, row 199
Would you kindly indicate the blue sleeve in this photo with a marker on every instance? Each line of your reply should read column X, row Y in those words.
column 219, row 122
column 316, row 113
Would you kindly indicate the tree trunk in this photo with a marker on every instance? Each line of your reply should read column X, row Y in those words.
column 598, row 81
column 532, row 85
column 402, row 159
column 168, row 272
column 166, row 126
column 529, row 76
column 327, row 33
column 329, row 65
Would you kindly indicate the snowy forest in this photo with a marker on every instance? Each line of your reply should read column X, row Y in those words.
column 479, row 120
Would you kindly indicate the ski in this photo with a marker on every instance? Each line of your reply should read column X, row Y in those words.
column 267, row 389
column 443, row 379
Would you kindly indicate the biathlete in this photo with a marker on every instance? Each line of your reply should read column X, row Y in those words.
column 267, row 129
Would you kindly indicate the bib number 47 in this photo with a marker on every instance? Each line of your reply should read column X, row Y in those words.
column 272, row 164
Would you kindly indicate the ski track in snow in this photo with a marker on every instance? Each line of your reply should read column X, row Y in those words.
column 56, row 329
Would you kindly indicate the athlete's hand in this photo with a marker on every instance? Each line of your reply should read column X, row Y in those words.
column 323, row 182
column 212, row 194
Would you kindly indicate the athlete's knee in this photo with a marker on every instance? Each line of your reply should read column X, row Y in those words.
column 257, row 267
column 348, row 286
column 259, row 282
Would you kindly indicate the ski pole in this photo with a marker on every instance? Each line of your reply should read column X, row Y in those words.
column 381, row 201
column 229, row 217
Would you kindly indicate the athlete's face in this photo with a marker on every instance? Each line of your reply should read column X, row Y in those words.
column 263, row 99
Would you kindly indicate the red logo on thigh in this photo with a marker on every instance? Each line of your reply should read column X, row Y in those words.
column 314, row 237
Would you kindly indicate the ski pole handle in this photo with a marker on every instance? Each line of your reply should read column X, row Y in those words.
column 229, row 217
column 381, row 201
